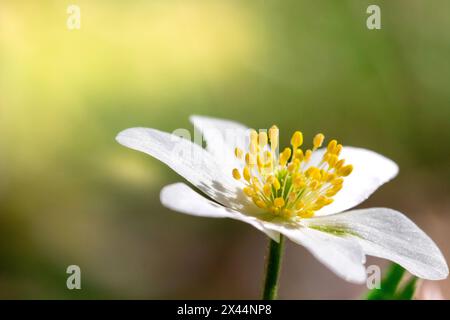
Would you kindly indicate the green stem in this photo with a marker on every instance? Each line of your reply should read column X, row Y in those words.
column 273, row 264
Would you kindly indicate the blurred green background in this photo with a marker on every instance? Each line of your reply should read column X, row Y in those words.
column 69, row 194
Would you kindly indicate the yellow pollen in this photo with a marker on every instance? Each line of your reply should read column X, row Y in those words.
column 287, row 184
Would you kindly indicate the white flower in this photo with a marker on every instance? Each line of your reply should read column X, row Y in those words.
column 300, row 194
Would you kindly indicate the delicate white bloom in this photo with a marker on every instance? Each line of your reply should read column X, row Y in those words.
column 300, row 194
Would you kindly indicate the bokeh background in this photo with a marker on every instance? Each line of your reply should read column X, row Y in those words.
column 69, row 194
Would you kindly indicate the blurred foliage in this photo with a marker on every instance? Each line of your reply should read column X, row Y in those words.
column 69, row 194
column 390, row 288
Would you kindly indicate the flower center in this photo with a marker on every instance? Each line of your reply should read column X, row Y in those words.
column 285, row 183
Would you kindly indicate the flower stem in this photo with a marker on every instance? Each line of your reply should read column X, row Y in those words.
column 273, row 265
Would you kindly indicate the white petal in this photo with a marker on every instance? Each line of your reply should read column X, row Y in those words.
column 388, row 234
column 180, row 197
column 220, row 133
column 190, row 161
column 344, row 256
column 222, row 137
column 370, row 171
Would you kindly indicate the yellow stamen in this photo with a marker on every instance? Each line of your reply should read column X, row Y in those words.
column 308, row 155
column 276, row 184
column 273, row 136
column 346, row 170
column 284, row 156
column 287, row 184
column 318, row 140
column 267, row 189
column 297, row 139
column 238, row 153
column 262, row 139
column 236, row 174
column 248, row 191
column 331, row 145
column 246, row 174
column 278, row 202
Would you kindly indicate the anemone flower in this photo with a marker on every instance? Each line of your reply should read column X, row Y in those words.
column 301, row 194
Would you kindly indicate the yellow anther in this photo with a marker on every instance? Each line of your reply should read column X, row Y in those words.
column 337, row 150
column 311, row 171
column 292, row 196
column 273, row 136
column 253, row 148
column 248, row 191
column 299, row 154
column 323, row 175
column 259, row 161
column 236, row 174
column 345, row 170
column 250, row 159
column 260, row 203
column 331, row 176
column 335, row 189
column 238, row 153
column 299, row 205
column 276, row 184
column 299, row 182
column 268, row 157
column 278, row 202
column 318, row 140
column 293, row 165
column 332, row 159
column 262, row 138
column 267, row 189
column 308, row 154
column 284, row 156
column 322, row 200
column 246, row 173
column 339, row 164
column 287, row 213
column 274, row 210
column 337, row 181
column 331, row 145
column 297, row 139
column 314, row 185
column 306, row 214
column 253, row 136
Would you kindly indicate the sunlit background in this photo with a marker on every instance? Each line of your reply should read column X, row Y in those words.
column 69, row 194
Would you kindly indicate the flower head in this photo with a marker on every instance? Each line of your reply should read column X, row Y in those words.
column 285, row 184
column 296, row 192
